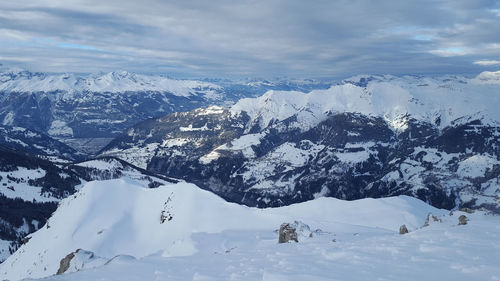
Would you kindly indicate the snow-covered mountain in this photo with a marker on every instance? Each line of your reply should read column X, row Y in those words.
column 371, row 136
column 85, row 111
column 36, row 143
column 112, row 82
column 32, row 185
column 124, row 231
column 69, row 106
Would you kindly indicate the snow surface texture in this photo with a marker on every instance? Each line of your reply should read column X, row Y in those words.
column 181, row 232
column 426, row 99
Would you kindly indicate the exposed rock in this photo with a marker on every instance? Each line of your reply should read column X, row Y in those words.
column 78, row 260
column 287, row 233
column 462, row 220
column 431, row 218
column 26, row 239
column 403, row 229
column 65, row 262
column 467, row 210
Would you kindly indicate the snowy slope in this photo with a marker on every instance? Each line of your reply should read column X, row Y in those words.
column 31, row 187
column 206, row 237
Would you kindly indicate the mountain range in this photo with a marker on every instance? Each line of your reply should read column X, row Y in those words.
column 86, row 111
column 254, row 142
column 370, row 136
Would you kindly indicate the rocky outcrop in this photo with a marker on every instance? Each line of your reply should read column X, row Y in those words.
column 403, row 229
column 65, row 262
column 462, row 220
column 287, row 233
column 431, row 219
column 79, row 260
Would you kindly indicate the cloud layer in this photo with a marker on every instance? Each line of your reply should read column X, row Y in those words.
column 225, row 38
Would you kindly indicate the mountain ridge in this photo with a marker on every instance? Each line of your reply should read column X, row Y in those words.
column 385, row 137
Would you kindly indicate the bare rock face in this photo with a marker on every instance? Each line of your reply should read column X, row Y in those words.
column 462, row 220
column 287, row 233
column 403, row 229
column 65, row 262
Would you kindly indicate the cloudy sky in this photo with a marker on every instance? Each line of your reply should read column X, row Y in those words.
column 252, row 38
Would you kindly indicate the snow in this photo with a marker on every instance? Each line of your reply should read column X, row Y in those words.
column 288, row 156
column 11, row 140
column 246, row 141
column 60, row 128
column 113, row 82
column 8, row 119
column 99, row 164
column 110, row 166
column 4, row 249
column 137, row 156
column 491, row 187
column 353, row 157
column 242, row 144
column 211, row 110
column 21, row 189
column 174, row 142
column 393, row 98
column 190, row 128
column 208, row 158
column 476, row 165
column 210, row 239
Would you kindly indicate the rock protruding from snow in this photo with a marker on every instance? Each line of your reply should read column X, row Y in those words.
column 78, row 260
column 287, row 233
column 431, row 219
column 467, row 210
column 403, row 229
column 462, row 220
column 64, row 264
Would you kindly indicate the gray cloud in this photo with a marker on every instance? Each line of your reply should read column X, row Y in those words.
column 251, row 38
